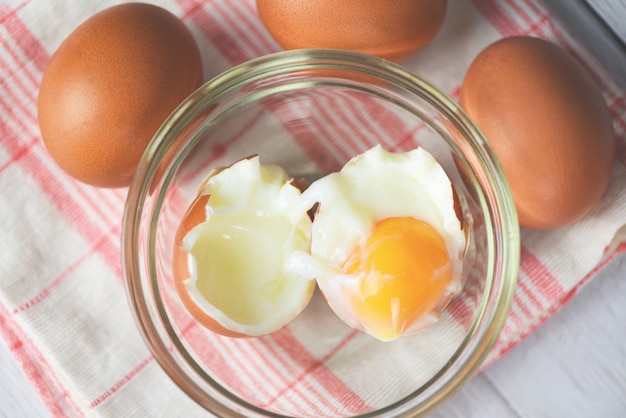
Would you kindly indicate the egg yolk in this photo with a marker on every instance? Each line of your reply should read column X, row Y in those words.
column 402, row 272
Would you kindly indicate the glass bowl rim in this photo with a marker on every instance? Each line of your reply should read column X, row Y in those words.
column 397, row 75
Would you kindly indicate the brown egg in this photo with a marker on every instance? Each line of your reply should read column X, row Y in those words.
column 548, row 124
column 110, row 85
column 392, row 29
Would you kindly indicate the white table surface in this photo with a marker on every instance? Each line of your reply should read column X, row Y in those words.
column 572, row 366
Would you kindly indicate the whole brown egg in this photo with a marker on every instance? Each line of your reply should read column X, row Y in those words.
column 547, row 122
column 110, row 85
column 392, row 29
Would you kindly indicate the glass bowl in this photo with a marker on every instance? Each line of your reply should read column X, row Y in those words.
column 310, row 111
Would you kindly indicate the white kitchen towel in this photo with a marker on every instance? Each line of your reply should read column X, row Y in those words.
column 63, row 308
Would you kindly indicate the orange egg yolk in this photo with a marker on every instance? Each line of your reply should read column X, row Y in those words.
column 402, row 272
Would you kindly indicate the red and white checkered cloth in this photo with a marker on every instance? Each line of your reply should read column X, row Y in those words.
column 63, row 311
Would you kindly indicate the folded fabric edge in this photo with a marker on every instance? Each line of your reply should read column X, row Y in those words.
column 54, row 396
column 501, row 347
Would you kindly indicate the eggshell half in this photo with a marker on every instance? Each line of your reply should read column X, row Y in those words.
column 195, row 215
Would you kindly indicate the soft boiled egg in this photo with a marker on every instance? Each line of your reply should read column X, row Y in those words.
column 232, row 246
column 386, row 243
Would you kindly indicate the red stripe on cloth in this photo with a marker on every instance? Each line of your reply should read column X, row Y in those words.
column 64, row 201
column 519, row 305
column 245, row 365
column 336, row 387
column 505, row 345
column 262, row 371
column 261, row 375
column 461, row 311
column 26, row 41
column 532, row 296
column 54, row 395
column 408, row 140
column 316, row 144
column 295, row 375
column 315, row 403
column 245, row 374
column 17, row 72
column 272, row 367
column 224, row 362
column 11, row 136
column 221, row 355
column 254, row 359
column 539, row 275
column 490, row 9
column 121, row 383
column 328, row 136
column 368, row 122
column 254, row 32
column 507, row 340
column 206, row 349
column 94, row 248
column 14, row 88
column 340, row 132
column 18, row 153
column 219, row 149
column 240, row 31
column 217, row 29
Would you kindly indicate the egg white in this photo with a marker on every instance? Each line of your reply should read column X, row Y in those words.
column 237, row 255
column 373, row 186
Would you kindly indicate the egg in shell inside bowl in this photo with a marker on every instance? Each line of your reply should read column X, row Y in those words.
column 360, row 166
column 230, row 250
